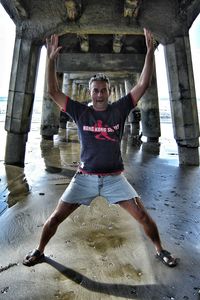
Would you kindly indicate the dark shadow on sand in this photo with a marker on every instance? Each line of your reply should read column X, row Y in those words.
column 117, row 290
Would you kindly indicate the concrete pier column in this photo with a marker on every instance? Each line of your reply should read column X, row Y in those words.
column 50, row 115
column 78, row 95
column 67, row 90
column 128, row 86
column 67, row 85
column 183, row 100
column 134, row 117
column 117, row 92
column 121, row 89
column 112, row 95
column 74, row 90
column 150, row 116
column 83, row 96
column 20, row 99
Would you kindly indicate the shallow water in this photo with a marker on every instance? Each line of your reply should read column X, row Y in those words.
column 58, row 157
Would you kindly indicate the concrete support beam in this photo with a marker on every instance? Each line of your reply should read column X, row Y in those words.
column 99, row 62
column 78, row 97
column 183, row 100
column 84, row 75
column 73, row 8
column 131, row 8
column 67, row 85
column 117, row 43
column 67, row 90
column 20, row 10
column 15, row 149
column 133, row 118
column 74, row 90
column 117, row 92
column 150, row 116
column 122, row 90
column 50, row 115
column 84, row 42
column 112, row 95
column 84, row 97
column 20, row 99
column 128, row 86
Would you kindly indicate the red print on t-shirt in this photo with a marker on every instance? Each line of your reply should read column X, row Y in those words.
column 103, row 131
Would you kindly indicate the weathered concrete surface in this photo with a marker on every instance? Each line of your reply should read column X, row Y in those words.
column 20, row 99
column 100, row 252
column 183, row 100
column 166, row 19
column 104, row 62
column 50, row 114
column 149, row 109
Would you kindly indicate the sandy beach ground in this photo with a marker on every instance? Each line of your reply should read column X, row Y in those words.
column 99, row 252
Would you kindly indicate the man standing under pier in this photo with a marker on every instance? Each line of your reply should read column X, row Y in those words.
column 100, row 172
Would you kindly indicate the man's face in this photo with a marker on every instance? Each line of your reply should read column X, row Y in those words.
column 99, row 92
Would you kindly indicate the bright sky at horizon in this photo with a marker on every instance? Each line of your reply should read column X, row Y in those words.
column 7, row 38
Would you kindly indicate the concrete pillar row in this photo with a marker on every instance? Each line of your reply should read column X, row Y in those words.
column 183, row 100
column 20, row 99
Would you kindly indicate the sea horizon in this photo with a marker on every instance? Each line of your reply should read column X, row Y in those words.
column 4, row 98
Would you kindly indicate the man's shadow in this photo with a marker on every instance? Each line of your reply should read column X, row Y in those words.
column 118, row 290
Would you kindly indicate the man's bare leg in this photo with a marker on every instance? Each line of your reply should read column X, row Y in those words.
column 136, row 208
column 61, row 212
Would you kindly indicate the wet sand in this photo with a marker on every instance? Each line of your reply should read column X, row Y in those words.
column 99, row 252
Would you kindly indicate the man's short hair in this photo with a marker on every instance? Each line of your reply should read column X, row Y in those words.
column 99, row 77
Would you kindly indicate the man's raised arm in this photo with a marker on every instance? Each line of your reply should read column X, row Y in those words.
column 145, row 78
column 53, row 88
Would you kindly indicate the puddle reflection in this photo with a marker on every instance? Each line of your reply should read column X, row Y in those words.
column 51, row 156
column 62, row 156
column 15, row 187
column 61, row 153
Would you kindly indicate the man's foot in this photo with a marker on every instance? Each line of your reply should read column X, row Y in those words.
column 34, row 257
column 167, row 258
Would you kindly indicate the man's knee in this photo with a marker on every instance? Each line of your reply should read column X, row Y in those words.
column 54, row 220
column 138, row 202
column 143, row 215
column 136, row 208
column 62, row 211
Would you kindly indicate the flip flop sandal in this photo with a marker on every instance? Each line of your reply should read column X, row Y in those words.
column 167, row 258
column 34, row 257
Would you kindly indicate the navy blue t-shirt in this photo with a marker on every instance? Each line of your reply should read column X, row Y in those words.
column 100, row 134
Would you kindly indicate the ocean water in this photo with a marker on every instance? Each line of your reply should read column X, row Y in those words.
column 3, row 105
column 164, row 106
column 37, row 109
